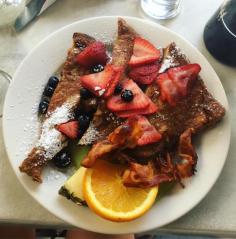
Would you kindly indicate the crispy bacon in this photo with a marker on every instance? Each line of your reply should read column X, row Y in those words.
column 152, row 174
column 165, row 165
column 125, row 136
column 123, row 158
column 164, row 169
column 139, row 175
column 98, row 150
column 187, row 154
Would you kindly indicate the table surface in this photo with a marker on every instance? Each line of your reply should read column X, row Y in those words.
column 216, row 214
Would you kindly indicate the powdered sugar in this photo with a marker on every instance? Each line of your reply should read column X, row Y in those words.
column 167, row 63
column 90, row 135
column 99, row 90
column 170, row 60
column 96, row 88
column 176, row 52
column 51, row 140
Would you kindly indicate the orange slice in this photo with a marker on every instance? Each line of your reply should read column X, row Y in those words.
column 106, row 195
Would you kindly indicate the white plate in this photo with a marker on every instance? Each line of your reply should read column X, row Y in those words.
column 20, row 128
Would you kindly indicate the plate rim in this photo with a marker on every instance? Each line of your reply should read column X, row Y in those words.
column 4, row 118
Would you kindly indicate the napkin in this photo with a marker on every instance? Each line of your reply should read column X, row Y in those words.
column 47, row 4
column 33, row 9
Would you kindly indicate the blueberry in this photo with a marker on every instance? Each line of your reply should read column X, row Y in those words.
column 80, row 133
column 83, row 121
column 80, row 45
column 62, row 159
column 127, row 95
column 143, row 87
column 90, row 106
column 78, row 112
column 97, row 68
column 53, row 81
column 118, row 89
column 85, row 94
column 43, row 106
column 48, row 91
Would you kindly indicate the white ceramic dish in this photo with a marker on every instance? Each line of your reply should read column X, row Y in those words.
column 20, row 128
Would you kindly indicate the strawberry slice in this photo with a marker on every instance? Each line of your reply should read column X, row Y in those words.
column 140, row 100
column 70, row 129
column 184, row 76
column 98, row 83
column 147, row 80
column 150, row 134
column 118, row 71
column 93, row 54
column 176, row 83
column 144, row 52
column 144, row 74
column 144, row 70
column 169, row 91
column 151, row 109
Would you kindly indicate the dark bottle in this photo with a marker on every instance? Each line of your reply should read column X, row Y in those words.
column 220, row 33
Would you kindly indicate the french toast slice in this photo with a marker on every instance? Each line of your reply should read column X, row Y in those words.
column 104, row 121
column 62, row 104
column 198, row 110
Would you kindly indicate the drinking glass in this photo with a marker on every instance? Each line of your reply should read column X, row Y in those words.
column 220, row 33
column 161, row 9
column 5, row 79
column 10, row 10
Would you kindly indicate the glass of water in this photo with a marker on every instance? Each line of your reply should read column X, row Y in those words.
column 161, row 9
column 10, row 10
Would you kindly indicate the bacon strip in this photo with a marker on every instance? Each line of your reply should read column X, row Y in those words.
column 139, row 175
column 164, row 169
column 67, row 94
column 186, row 152
column 125, row 136
column 150, row 175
